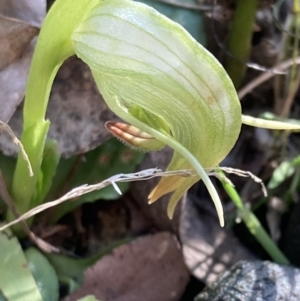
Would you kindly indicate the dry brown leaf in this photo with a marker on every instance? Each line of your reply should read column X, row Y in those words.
column 19, row 23
column 76, row 111
column 150, row 268
column 29, row 11
column 12, row 85
column 15, row 36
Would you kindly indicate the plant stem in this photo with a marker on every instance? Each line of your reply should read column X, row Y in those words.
column 239, row 43
column 293, row 78
column 52, row 48
column 254, row 225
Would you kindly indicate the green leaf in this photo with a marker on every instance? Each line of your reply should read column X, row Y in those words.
column 44, row 274
column 33, row 140
column 49, row 165
column 69, row 270
column 7, row 166
column 60, row 180
column 284, row 170
column 16, row 280
column 111, row 158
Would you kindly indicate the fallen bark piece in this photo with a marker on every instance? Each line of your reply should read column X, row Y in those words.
column 149, row 268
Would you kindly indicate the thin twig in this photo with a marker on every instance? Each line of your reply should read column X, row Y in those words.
column 84, row 189
column 266, row 76
column 138, row 176
column 220, row 176
column 285, row 110
column 245, row 173
column 238, row 172
column 18, row 143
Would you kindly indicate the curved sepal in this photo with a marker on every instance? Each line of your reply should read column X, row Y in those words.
column 160, row 70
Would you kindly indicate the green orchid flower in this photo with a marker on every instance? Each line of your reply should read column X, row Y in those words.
column 156, row 77
column 152, row 74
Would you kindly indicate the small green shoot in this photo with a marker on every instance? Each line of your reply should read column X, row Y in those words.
column 253, row 224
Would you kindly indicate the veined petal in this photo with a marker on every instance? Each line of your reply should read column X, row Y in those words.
column 165, row 185
column 178, row 193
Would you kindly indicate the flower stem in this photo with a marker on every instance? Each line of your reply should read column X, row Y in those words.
column 254, row 225
column 239, row 44
column 52, row 48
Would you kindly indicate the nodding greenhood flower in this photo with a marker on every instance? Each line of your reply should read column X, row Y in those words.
column 151, row 73
column 156, row 77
